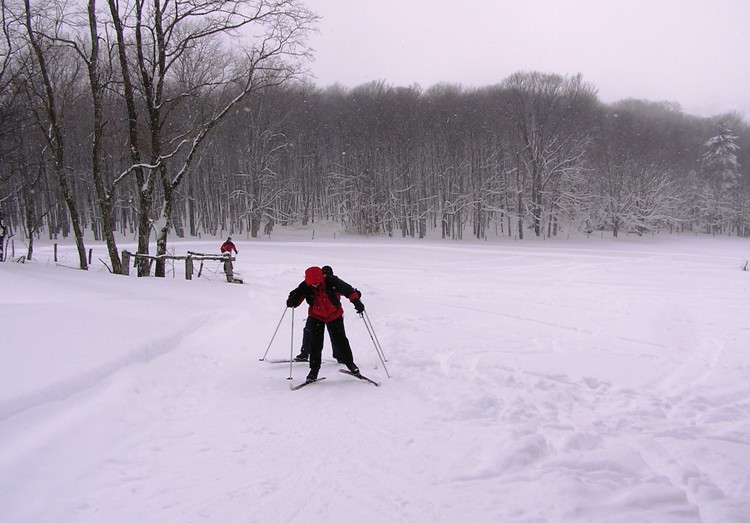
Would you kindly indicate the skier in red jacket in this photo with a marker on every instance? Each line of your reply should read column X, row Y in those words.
column 304, row 353
column 323, row 295
column 228, row 246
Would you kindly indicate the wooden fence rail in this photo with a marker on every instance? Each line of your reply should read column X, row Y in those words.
column 189, row 258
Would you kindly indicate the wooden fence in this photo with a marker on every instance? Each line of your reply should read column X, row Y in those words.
column 190, row 259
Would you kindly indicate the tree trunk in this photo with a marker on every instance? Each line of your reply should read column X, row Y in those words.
column 97, row 93
column 54, row 135
column 520, row 216
column 162, row 236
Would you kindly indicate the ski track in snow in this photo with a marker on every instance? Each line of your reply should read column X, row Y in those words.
column 530, row 383
column 65, row 388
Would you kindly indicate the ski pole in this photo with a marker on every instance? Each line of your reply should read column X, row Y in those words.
column 379, row 350
column 291, row 347
column 274, row 336
column 377, row 344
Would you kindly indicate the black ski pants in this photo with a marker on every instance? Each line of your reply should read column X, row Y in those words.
column 307, row 340
column 338, row 337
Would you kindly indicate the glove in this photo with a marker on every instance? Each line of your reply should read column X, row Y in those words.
column 358, row 306
column 290, row 302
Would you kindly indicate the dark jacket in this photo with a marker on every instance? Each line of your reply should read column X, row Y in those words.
column 325, row 300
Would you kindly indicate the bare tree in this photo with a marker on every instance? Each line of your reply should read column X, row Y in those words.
column 545, row 111
column 49, row 91
column 169, row 40
column 87, row 45
column 7, row 73
column 143, row 172
column 637, row 197
column 7, row 96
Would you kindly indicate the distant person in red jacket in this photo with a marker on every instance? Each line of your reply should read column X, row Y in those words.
column 228, row 246
column 323, row 295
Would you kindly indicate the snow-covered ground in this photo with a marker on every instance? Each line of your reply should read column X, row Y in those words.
column 590, row 380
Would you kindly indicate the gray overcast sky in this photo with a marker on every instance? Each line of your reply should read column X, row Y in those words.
column 693, row 52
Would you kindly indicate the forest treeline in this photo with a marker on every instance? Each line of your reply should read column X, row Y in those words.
column 536, row 154
column 123, row 117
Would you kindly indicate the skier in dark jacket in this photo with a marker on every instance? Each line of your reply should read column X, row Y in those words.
column 304, row 353
column 323, row 295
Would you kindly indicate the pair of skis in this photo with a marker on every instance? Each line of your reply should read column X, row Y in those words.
column 344, row 371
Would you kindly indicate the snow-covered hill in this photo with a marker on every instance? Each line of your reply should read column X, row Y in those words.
column 591, row 380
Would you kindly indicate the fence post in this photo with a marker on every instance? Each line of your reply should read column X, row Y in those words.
column 125, row 263
column 189, row 268
column 228, row 268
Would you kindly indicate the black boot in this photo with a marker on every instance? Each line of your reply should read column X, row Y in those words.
column 300, row 357
column 313, row 375
column 352, row 368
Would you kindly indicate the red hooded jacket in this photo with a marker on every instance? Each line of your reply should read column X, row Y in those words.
column 323, row 295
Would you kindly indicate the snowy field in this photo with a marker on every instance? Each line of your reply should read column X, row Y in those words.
column 590, row 380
